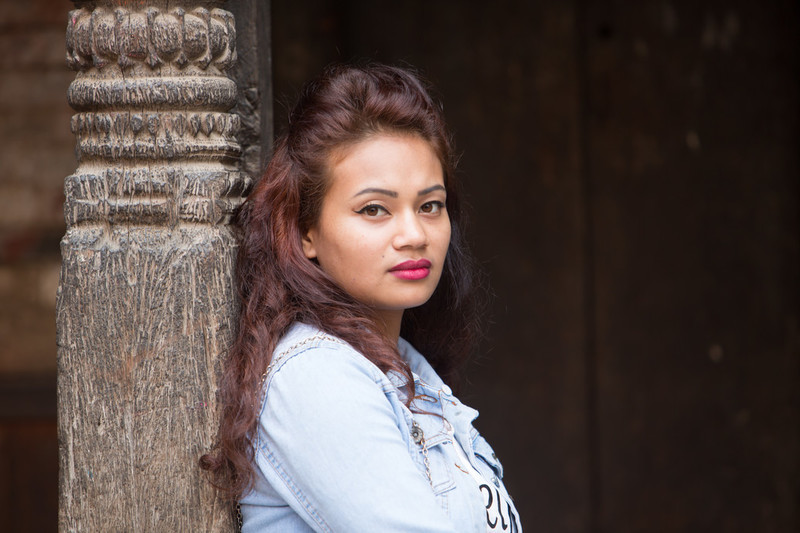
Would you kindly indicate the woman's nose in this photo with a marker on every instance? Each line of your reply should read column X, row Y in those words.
column 410, row 233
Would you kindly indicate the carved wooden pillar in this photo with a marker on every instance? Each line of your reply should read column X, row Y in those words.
column 146, row 303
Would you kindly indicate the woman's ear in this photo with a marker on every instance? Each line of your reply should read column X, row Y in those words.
column 308, row 245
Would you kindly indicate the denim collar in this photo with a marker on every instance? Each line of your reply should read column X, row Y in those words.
column 420, row 367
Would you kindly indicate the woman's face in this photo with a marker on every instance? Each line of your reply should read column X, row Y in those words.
column 383, row 230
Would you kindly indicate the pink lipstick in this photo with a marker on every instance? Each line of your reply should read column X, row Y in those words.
column 412, row 270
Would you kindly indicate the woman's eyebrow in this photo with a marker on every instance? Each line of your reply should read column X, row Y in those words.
column 369, row 190
column 423, row 192
column 393, row 194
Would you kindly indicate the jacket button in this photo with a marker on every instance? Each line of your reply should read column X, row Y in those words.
column 496, row 481
column 447, row 390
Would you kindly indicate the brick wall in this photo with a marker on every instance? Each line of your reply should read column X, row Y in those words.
column 36, row 153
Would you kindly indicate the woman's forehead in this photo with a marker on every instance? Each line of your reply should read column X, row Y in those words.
column 389, row 160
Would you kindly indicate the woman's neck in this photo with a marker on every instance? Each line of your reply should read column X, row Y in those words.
column 389, row 322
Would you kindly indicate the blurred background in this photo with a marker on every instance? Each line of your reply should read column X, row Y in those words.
column 632, row 170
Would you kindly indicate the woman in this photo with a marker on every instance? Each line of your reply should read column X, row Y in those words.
column 351, row 256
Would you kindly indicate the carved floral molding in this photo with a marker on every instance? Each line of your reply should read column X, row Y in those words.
column 103, row 36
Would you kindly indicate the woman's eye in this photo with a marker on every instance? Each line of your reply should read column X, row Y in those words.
column 432, row 208
column 371, row 210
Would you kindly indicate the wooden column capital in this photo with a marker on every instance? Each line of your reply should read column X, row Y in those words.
column 146, row 304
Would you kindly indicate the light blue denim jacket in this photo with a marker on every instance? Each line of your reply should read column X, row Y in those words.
column 335, row 452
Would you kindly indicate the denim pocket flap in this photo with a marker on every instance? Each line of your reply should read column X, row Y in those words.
column 441, row 474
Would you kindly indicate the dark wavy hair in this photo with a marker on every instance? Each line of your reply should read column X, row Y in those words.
column 278, row 285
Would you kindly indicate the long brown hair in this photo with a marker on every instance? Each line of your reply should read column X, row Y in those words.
column 279, row 286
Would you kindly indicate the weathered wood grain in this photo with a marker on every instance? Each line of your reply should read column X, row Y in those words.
column 144, row 315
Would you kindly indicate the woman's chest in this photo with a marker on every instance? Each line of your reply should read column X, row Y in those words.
column 462, row 469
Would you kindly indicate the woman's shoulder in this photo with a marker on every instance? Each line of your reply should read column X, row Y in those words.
column 309, row 353
column 300, row 337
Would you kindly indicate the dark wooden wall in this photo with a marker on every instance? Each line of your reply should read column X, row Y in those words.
column 28, row 454
column 633, row 174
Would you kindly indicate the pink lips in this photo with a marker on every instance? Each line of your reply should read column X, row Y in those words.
column 412, row 269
